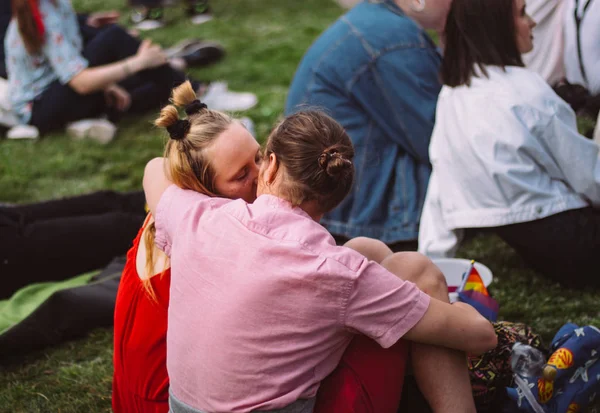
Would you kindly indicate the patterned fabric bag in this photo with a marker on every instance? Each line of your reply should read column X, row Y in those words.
column 491, row 372
column 570, row 381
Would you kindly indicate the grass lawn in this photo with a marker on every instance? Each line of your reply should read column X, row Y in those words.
column 265, row 40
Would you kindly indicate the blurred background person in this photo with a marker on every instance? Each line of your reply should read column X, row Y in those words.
column 375, row 71
column 150, row 14
column 582, row 44
column 546, row 58
column 59, row 239
column 98, row 69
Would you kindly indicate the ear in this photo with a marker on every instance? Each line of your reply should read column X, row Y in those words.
column 272, row 167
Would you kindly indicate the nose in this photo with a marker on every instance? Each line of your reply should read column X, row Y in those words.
column 533, row 23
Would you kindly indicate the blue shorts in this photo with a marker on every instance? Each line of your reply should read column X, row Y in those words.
column 299, row 406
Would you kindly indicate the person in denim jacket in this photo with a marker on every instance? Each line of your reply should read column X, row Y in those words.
column 375, row 71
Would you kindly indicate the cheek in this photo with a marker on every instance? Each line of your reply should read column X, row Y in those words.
column 525, row 29
column 254, row 172
column 234, row 190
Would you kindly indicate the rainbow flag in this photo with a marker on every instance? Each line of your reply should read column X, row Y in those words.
column 473, row 291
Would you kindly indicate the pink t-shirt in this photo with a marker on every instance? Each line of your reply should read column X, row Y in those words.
column 263, row 303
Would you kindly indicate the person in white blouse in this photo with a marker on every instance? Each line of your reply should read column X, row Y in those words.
column 546, row 58
column 582, row 43
column 506, row 152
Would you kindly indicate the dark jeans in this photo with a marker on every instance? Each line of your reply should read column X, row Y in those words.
column 149, row 89
column 564, row 247
column 59, row 239
column 5, row 16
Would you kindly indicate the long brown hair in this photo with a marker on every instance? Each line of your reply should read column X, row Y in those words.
column 478, row 33
column 31, row 25
column 188, row 167
column 317, row 154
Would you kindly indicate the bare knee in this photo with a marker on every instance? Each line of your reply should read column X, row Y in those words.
column 418, row 269
column 372, row 249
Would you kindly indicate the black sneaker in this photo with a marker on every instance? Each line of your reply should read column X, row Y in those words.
column 202, row 53
column 148, row 18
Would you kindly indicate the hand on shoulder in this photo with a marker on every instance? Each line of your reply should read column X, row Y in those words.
column 155, row 181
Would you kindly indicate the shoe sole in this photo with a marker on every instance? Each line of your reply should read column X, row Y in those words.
column 201, row 18
column 195, row 46
column 102, row 132
column 147, row 25
column 177, row 49
column 204, row 56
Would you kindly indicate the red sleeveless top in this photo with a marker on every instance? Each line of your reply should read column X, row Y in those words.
column 140, row 380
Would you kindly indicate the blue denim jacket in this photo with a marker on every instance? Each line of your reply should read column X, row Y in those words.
column 376, row 72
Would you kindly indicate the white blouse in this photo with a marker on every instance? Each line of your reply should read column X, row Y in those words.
column 504, row 150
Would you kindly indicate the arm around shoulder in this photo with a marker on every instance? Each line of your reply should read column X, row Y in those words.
column 155, row 182
column 458, row 326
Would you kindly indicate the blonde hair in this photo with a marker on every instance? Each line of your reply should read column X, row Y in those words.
column 188, row 167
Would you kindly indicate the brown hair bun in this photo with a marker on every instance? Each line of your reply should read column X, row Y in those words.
column 333, row 163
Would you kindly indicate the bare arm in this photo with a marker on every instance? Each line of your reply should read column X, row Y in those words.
column 458, row 326
column 155, row 182
column 97, row 78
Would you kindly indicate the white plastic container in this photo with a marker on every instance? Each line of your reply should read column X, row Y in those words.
column 454, row 268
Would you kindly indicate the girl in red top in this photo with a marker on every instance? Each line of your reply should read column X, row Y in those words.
column 368, row 379
column 140, row 381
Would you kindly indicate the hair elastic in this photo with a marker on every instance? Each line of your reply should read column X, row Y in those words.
column 194, row 107
column 326, row 157
column 179, row 129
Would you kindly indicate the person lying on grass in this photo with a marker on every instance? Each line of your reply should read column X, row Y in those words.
column 263, row 303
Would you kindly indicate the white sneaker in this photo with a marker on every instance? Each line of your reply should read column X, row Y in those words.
column 8, row 118
column 23, row 132
column 201, row 18
column 219, row 97
column 146, row 25
column 100, row 130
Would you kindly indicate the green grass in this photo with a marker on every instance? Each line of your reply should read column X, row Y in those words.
column 265, row 40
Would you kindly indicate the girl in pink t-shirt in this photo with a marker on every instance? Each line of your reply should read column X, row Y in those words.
column 264, row 304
